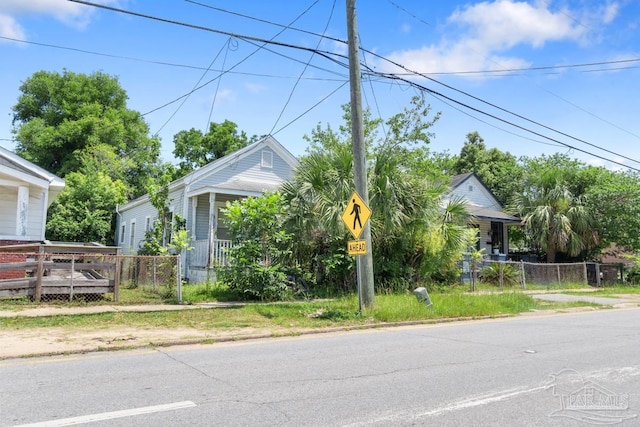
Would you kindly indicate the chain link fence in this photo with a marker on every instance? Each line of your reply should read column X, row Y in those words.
column 528, row 275
column 90, row 277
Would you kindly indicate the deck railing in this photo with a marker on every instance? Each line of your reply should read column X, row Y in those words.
column 201, row 257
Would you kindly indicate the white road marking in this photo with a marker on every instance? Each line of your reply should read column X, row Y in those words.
column 111, row 415
column 456, row 406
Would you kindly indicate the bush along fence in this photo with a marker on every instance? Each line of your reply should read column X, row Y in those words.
column 72, row 272
column 530, row 275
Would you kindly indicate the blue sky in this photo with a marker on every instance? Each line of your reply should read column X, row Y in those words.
column 463, row 47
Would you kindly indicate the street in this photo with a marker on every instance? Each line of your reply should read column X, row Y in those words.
column 569, row 369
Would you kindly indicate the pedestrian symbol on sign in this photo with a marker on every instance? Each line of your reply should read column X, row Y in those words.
column 356, row 215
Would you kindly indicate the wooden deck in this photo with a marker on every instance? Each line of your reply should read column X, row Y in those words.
column 77, row 271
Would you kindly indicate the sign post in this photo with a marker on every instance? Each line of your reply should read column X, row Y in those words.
column 356, row 216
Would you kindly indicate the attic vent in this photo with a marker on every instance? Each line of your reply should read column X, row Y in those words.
column 267, row 159
column 470, row 188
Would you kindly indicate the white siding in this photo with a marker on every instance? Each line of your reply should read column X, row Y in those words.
column 476, row 193
column 35, row 212
column 137, row 214
column 9, row 196
column 248, row 168
column 202, row 218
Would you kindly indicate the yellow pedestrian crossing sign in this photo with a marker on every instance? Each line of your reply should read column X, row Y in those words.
column 356, row 215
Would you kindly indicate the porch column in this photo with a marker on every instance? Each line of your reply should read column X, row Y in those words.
column 213, row 225
column 192, row 226
column 22, row 210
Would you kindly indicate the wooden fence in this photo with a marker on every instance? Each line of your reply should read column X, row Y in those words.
column 37, row 270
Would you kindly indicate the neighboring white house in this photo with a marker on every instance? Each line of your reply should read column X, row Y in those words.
column 199, row 198
column 26, row 192
column 487, row 212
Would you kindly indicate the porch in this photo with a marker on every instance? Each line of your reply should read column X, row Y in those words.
column 205, row 257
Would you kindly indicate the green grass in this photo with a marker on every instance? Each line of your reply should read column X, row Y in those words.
column 612, row 290
column 308, row 314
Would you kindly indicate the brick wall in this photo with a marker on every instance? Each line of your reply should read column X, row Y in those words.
column 12, row 257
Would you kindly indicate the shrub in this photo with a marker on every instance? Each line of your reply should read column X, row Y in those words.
column 259, row 245
column 491, row 274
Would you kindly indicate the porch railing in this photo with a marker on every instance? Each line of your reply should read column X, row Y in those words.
column 199, row 256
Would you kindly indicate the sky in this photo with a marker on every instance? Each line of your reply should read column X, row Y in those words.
column 531, row 77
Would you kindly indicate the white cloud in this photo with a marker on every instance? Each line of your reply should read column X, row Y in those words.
column 485, row 32
column 610, row 12
column 73, row 14
column 505, row 23
column 10, row 28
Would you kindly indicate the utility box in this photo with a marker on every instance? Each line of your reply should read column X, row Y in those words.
column 423, row 296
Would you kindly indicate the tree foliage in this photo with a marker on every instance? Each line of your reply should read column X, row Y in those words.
column 405, row 205
column 499, row 170
column 553, row 211
column 65, row 122
column 197, row 149
column 614, row 200
column 260, row 247
column 83, row 212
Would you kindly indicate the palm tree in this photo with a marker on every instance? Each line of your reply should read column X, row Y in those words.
column 554, row 218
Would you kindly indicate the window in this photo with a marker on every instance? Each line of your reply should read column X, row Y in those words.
column 132, row 233
column 147, row 224
column 470, row 188
column 123, row 228
column 267, row 159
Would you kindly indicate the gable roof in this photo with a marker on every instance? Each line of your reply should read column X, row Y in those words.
column 458, row 180
column 220, row 163
column 13, row 165
column 482, row 212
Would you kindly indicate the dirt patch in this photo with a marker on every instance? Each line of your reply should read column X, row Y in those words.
column 50, row 341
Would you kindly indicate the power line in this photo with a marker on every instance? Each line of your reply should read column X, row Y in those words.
column 328, row 55
column 312, row 107
column 493, row 105
column 500, row 108
column 170, row 64
column 551, row 93
column 215, row 95
column 408, row 13
column 197, row 83
column 543, row 68
column 304, row 69
column 493, row 116
column 331, row 55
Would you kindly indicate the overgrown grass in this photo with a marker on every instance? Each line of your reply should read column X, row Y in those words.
column 310, row 314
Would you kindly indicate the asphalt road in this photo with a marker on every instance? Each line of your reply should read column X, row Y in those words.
column 508, row 372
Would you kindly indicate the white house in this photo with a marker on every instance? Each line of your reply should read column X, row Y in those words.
column 26, row 192
column 487, row 212
column 200, row 196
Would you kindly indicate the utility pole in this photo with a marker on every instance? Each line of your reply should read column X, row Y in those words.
column 364, row 262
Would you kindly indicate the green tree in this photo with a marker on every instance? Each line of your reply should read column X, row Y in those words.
column 614, row 200
column 84, row 210
column 62, row 120
column 197, row 149
column 499, row 170
column 260, row 247
column 555, row 219
column 405, row 205
column 158, row 236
